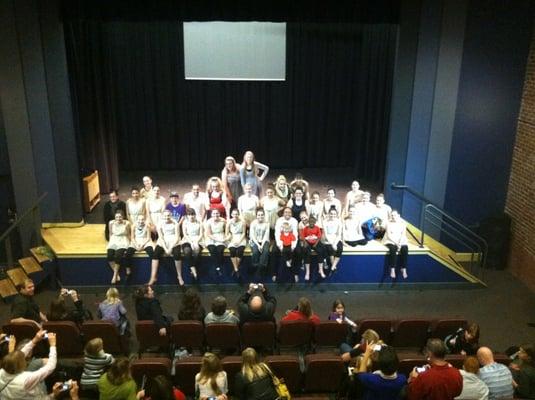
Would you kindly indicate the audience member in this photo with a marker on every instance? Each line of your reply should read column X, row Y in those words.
column 60, row 312
column 161, row 388
column 338, row 314
column 15, row 382
column 464, row 341
column 110, row 209
column 303, row 312
column 473, row 387
column 523, row 370
column 211, row 382
column 220, row 314
column 59, row 392
column 96, row 361
column 384, row 382
column 149, row 308
column 191, row 307
column 7, row 345
column 117, row 384
column 256, row 304
column 113, row 310
column 439, row 380
column 496, row 376
column 24, row 308
column 254, row 381
column 352, row 349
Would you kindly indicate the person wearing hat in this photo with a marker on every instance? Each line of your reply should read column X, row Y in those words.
column 177, row 209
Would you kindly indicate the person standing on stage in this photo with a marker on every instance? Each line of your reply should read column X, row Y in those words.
column 155, row 206
column 396, row 240
column 216, row 198
column 176, row 208
column 147, row 191
column 119, row 242
column 197, row 201
column 135, row 206
column 249, row 173
column 168, row 245
column 235, row 233
column 110, row 208
column 230, row 176
column 299, row 182
column 192, row 234
column 247, row 204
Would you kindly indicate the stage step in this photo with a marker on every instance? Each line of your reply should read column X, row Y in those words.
column 17, row 275
column 37, row 253
column 30, row 265
column 7, row 289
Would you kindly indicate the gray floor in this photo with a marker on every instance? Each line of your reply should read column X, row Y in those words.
column 502, row 309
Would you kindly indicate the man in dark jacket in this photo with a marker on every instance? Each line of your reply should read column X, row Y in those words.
column 256, row 304
column 110, row 208
column 24, row 307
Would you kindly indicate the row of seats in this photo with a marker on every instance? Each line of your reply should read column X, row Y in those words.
column 406, row 333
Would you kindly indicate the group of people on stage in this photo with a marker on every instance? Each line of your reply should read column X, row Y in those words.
column 282, row 221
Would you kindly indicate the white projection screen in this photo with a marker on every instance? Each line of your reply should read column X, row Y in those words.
column 235, row 51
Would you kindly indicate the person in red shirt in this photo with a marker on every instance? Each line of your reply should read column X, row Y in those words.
column 311, row 238
column 436, row 381
column 289, row 241
column 302, row 313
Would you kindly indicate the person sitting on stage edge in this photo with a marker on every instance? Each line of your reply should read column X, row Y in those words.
column 24, row 307
column 220, row 314
column 302, row 312
column 60, row 312
column 149, row 308
column 256, row 304
column 110, row 208
column 191, row 308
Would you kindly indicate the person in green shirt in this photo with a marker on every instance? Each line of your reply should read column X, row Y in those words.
column 523, row 370
column 117, row 383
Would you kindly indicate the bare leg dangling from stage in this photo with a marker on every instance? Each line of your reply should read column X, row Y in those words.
column 154, row 264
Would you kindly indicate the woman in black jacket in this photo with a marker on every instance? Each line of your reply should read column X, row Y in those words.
column 254, row 381
column 60, row 312
column 464, row 341
column 149, row 308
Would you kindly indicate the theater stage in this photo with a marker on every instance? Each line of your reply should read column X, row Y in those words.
column 81, row 261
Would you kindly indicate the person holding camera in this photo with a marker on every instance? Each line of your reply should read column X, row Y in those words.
column 60, row 390
column 16, row 382
column 60, row 312
column 256, row 304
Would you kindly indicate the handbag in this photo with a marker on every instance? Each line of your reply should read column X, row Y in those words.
column 280, row 386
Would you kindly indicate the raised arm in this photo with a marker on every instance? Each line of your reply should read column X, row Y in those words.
column 264, row 168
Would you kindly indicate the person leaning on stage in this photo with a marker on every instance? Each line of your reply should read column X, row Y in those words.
column 149, row 308
column 220, row 314
column 197, row 201
column 256, row 304
column 24, row 308
column 439, row 381
column 110, row 208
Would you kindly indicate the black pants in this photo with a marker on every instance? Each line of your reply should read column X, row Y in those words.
column 403, row 254
column 159, row 252
column 115, row 255
column 217, row 253
column 236, row 251
column 355, row 243
column 307, row 252
column 191, row 259
column 130, row 254
column 332, row 252
column 287, row 254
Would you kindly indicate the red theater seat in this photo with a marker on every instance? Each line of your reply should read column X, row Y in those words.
column 68, row 336
column 185, row 371
column 258, row 334
column 295, row 334
column 108, row 332
column 382, row 326
column 324, row 373
column 286, row 367
column 330, row 334
column 21, row 330
column 231, row 365
column 148, row 337
column 189, row 334
column 150, row 367
column 411, row 334
column 223, row 336
column 444, row 327
column 406, row 365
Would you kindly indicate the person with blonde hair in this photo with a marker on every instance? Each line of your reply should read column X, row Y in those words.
column 254, row 381
column 112, row 308
column 282, row 190
column 230, row 176
column 351, row 350
column 216, row 198
column 249, row 172
column 211, row 382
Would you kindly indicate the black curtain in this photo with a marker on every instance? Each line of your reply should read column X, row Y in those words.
column 133, row 102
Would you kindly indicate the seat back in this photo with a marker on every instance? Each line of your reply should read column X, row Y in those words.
column 456, row 360
column 258, row 334
column 231, row 365
column 68, row 337
column 295, row 333
column 382, row 326
column 188, row 334
column 185, row 371
column 411, row 333
column 222, row 336
column 502, row 359
column 21, row 330
column 107, row 331
column 148, row 336
column 406, row 365
column 444, row 327
column 330, row 334
column 324, row 373
column 150, row 367
column 287, row 367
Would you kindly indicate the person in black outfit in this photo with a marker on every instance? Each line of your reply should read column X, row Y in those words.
column 60, row 312
column 464, row 341
column 149, row 308
column 191, row 308
column 24, row 307
column 256, row 304
column 110, row 208
column 254, row 381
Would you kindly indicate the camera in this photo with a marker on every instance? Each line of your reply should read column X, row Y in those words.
column 45, row 336
column 421, row 369
column 212, row 398
column 6, row 338
column 377, row 347
column 66, row 386
column 255, row 287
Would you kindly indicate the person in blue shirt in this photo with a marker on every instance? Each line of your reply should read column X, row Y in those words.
column 177, row 209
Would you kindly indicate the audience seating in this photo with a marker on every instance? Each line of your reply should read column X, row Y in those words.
column 329, row 334
column 502, row 359
column 324, row 373
column 223, row 336
column 258, row 334
column 406, row 365
column 456, row 360
column 287, row 367
column 410, row 334
column 231, row 365
column 188, row 334
column 185, row 371
column 68, row 336
column 148, row 337
column 21, row 330
column 114, row 343
column 295, row 334
column 382, row 326
column 151, row 367
column 444, row 327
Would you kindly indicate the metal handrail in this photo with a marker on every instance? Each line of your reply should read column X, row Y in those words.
column 5, row 236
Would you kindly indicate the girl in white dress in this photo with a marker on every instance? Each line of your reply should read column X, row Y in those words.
column 259, row 242
column 353, row 196
column 119, row 242
column 155, row 206
column 139, row 240
column 192, row 232
column 330, row 201
column 214, row 231
column 235, row 232
column 147, row 191
column 247, row 204
column 168, row 246
column 135, row 206
column 332, row 238
column 352, row 230
column 314, row 208
column 271, row 207
column 396, row 240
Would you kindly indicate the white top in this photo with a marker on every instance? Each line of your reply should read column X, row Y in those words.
column 365, row 211
column 205, row 389
column 197, row 203
column 271, row 208
column 259, row 232
column 135, row 208
column 247, row 206
column 354, row 197
column 118, row 235
column 383, row 213
column 315, row 210
column 473, row 387
column 278, row 228
column 147, row 194
column 218, row 232
column 396, row 233
column 156, row 207
column 140, row 236
column 332, row 231
column 328, row 203
column 236, row 230
column 352, row 230
column 169, row 234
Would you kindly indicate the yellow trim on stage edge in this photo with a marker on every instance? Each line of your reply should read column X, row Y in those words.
column 46, row 225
